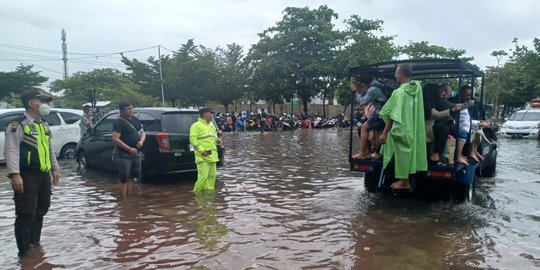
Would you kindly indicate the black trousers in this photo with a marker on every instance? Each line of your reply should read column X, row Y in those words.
column 30, row 207
column 441, row 132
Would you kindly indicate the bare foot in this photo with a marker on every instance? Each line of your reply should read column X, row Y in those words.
column 480, row 157
column 401, row 184
column 462, row 160
column 359, row 156
column 473, row 156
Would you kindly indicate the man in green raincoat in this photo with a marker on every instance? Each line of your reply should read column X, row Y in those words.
column 404, row 136
column 204, row 140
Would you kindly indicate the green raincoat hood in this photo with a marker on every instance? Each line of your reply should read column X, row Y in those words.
column 412, row 88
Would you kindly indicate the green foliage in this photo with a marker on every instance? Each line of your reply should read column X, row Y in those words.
column 423, row 50
column 516, row 82
column 296, row 53
column 100, row 85
column 232, row 76
column 20, row 80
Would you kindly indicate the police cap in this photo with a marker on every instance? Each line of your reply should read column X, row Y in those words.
column 205, row 110
column 28, row 95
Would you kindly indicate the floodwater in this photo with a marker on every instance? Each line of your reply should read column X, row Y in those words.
column 284, row 201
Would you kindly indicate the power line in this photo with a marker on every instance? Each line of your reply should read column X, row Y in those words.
column 24, row 48
column 168, row 49
column 87, row 55
column 26, row 54
column 111, row 54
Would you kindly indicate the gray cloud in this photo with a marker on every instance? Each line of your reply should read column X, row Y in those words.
column 479, row 26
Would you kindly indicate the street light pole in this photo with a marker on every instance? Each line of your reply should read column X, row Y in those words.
column 498, row 55
column 161, row 77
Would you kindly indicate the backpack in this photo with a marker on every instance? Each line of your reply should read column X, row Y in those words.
column 387, row 91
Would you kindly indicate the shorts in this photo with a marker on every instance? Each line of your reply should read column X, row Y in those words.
column 376, row 123
column 128, row 166
column 462, row 134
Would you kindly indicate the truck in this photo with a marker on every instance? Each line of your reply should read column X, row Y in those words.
column 454, row 183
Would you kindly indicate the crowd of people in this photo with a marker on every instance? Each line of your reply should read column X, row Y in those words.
column 263, row 121
column 411, row 119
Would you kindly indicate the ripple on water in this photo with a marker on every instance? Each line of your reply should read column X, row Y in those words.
column 284, row 201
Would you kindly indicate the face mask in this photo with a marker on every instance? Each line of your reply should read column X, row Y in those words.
column 44, row 109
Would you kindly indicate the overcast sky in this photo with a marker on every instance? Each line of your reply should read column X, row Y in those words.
column 106, row 26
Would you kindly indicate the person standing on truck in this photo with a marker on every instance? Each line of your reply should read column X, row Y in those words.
column 404, row 136
column 203, row 141
column 30, row 164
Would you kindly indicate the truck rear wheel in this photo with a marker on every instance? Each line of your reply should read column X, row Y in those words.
column 371, row 181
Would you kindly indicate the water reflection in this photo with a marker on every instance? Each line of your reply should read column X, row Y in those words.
column 209, row 230
column 284, row 201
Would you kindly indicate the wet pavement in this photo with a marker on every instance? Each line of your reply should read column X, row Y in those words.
column 284, row 201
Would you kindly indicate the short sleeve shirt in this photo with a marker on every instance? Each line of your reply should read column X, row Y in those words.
column 129, row 132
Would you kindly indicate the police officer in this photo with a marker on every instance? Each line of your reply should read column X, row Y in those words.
column 203, row 138
column 30, row 162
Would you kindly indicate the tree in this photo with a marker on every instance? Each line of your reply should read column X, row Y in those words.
column 299, row 46
column 20, row 80
column 100, row 85
column 232, row 75
column 363, row 45
column 423, row 50
column 516, row 82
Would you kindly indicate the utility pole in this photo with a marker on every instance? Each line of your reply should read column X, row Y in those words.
column 161, row 76
column 64, row 53
column 498, row 55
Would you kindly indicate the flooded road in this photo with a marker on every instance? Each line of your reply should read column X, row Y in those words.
column 284, row 201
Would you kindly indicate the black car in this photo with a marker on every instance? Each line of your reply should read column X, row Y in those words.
column 166, row 149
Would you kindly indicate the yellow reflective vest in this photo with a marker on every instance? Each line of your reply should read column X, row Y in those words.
column 35, row 146
column 203, row 137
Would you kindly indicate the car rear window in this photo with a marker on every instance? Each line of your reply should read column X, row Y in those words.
column 149, row 122
column 70, row 118
column 178, row 122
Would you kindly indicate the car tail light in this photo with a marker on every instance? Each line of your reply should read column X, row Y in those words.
column 440, row 174
column 163, row 140
column 362, row 168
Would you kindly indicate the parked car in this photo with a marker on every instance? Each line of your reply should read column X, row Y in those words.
column 455, row 183
column 523, row 124
column 64, row 125
column 166, row 149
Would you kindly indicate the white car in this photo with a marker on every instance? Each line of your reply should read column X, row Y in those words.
column 64, row 125
column 523, row 124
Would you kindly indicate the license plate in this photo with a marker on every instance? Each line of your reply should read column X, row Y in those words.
column 177, row 154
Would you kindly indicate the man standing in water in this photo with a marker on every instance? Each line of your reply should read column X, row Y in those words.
column 404, row 136
column 128, row 137
column 204, row 141
column 30, row 163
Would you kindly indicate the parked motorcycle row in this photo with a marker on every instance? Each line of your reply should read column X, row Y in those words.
column 276, row 123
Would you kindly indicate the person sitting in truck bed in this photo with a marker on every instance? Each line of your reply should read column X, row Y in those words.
column 443, row 127
column 373, row 100
column 432, row 95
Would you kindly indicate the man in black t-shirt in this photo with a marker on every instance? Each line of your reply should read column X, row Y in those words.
column 128, row 137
